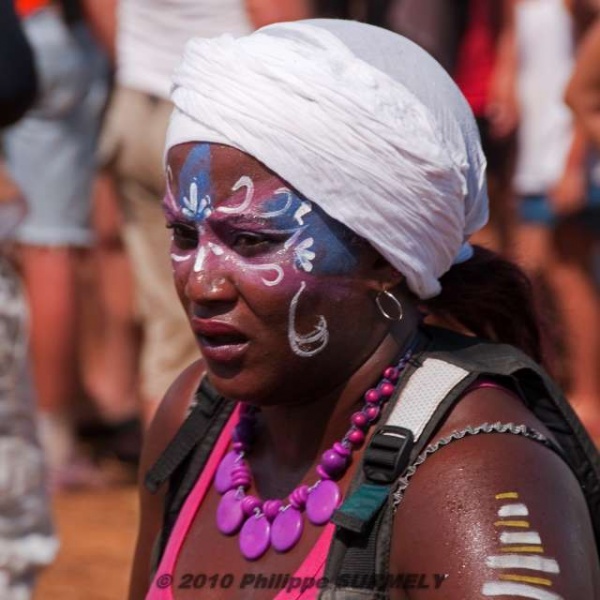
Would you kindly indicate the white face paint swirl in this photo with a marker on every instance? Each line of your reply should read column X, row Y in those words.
column 272, row 267
column 285, row 208
column 311, row 343
column 242, row 182
column 303, row 210
column 180, row 258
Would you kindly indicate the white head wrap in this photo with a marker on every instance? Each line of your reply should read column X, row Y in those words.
column 359, row 120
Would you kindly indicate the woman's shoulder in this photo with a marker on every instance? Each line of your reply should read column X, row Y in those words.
column 172, row 412
column 489, row 510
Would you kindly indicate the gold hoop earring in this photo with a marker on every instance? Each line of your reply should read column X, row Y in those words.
column 397, row 306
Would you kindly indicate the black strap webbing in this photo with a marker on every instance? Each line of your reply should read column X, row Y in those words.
column 208, row 406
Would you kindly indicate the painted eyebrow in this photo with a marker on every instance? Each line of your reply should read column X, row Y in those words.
column 241, row 220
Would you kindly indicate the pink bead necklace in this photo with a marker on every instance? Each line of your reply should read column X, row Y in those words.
column 265, row 523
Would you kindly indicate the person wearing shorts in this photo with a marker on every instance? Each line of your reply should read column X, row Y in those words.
column 554, row 182
column 50, row 154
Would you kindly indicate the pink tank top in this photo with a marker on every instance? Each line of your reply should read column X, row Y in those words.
column 313, row 564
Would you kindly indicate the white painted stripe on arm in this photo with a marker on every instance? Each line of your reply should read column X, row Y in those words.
column 525, row 537
column 518, row 561
column 517, row 590
column 513, row 510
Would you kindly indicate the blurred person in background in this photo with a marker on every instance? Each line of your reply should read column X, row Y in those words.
column 26, row 535
column 150, row 35
column 50, row 154
column 555, row 188
column 583, row 92
column 583, row 96
column 485, row 72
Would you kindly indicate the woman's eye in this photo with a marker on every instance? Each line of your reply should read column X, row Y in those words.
column 250, row 242
column 184, row 236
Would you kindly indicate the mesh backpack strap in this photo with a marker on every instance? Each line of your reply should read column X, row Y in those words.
column 362, row 543
column 449, row 365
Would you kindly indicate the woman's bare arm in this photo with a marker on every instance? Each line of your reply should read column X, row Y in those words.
column 169, row 417
column 494, row 515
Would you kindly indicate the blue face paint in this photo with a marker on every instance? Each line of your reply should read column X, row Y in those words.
column 335, row 245
column 195, row 186
column 322, row 244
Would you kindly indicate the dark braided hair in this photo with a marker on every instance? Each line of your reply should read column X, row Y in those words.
column 491, row 298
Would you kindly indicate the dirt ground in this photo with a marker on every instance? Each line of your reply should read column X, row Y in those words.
column 97, row 532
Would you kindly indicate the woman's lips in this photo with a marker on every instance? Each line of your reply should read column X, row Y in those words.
column 219, row 341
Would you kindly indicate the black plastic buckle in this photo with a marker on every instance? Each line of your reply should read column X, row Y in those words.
column 387, row 455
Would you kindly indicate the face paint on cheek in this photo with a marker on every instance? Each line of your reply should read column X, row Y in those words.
column 270, row 267
column 309, row 344
column 329, row 248
column 333, row 245
column 180, row 257
column 303, row 256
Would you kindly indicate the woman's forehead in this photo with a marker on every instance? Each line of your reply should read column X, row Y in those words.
column 216, row 168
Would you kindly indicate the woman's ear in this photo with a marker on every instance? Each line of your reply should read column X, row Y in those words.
column 383, row 275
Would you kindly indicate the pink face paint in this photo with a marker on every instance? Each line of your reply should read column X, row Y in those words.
column 267, row 274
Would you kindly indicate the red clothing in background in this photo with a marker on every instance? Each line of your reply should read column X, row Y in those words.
column 476, row 55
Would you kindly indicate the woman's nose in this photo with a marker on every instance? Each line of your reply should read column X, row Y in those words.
column 209, row 280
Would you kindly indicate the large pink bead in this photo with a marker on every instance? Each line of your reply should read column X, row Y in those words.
column 271, row 508
column 298, row 497
column 372, row 412
column 322, row 502
column 341, row 449
column 244, row 431
column 359, row 419
column 372, row 396
column 250, row 504
column 356, row 437
column 391, row 373
column 332, row 462
column 386, row 389
column 240, row 475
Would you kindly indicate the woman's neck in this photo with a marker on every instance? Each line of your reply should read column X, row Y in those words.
column 291, row 437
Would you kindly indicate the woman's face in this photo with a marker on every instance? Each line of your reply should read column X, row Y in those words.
column 279, row 295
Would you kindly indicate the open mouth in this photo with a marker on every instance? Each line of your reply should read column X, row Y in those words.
column 215, row 341
column 219, row 341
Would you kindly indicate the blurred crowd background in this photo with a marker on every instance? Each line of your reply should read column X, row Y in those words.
column 91, row 332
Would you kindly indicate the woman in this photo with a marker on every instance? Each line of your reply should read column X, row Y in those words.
column 322, row 177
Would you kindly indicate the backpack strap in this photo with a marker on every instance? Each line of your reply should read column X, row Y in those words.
column 419, row 406
column 445, row 369
column 206, row 406
column 187, row 453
